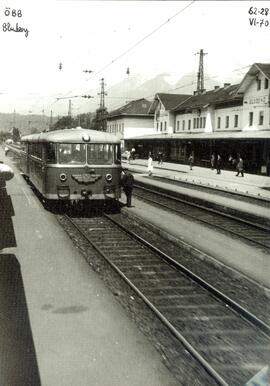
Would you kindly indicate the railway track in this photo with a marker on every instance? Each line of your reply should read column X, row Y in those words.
column 229, row 342
column 247, row 230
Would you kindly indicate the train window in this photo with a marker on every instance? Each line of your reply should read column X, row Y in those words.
column 35, row 149
column 117, row 154
column 50, row 153
column 72, row 153
column 99, row 154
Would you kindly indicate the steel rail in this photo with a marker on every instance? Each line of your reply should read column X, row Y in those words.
column 210, row 370
column 220, row 214
column 214, row 291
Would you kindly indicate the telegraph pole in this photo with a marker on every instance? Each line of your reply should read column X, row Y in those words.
column 69, row 108
column 51, row 120
column 102, row 95
column 200, row 75
column 14, row 118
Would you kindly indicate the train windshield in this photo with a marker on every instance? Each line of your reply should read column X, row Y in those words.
column 100, row 154
column 72, row 153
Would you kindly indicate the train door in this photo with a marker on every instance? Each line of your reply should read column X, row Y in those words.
column 35, row 165
column 24, row 167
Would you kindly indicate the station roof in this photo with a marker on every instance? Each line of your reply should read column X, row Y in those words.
column 215, row 135
column 215, row 96
column 137, row 107
column 169, row 101
column 252, row 73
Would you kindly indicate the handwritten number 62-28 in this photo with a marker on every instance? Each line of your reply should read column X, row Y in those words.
column 255, row 11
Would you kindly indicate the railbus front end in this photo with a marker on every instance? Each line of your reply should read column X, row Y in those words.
column 74, row 165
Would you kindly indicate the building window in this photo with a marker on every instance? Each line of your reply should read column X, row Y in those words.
column 227, row 122
column 189, row 124
column 177, row 125
column 261, row 118
column 183, row 125
column 201, row 122
column 204, row 122
column 198, row 123
column 236, row 121
column 218, row 122
column 259, row 82
column 250, row 118
column 266, row 83
column 160, row 126
column 157, row 126
column 165, row 126
column 194, row 123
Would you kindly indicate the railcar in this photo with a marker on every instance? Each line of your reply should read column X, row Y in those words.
column 73, row 164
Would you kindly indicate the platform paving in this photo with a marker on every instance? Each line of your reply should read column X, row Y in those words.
column 252, row 185
column 60, row 325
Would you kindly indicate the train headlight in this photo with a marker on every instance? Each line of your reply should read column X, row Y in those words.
column 109, row 177
column 86, row 138
column 63, row 177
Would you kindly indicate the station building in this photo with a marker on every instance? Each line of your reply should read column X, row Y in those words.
column 131, row 120
column 231, row 120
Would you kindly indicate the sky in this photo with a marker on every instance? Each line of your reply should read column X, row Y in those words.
column 106, row 37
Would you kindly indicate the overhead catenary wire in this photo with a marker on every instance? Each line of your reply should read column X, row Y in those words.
column 152, row 95
column 139, row 42
column 144, row 38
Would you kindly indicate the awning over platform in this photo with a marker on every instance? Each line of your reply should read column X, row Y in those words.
column 207, row 136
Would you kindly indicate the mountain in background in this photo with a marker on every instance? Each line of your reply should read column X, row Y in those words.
column 27, row 124
column 131, row 88
column 134, row 88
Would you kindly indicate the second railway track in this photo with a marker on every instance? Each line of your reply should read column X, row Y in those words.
column 248, row 230
column 230, row 343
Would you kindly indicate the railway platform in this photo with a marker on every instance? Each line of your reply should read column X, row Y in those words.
column 60, row 325
column 192, row 182
column 256, row 186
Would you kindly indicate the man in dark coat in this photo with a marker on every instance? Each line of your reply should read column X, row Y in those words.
column 218, row 164
column 127, row 181
column 240, row 167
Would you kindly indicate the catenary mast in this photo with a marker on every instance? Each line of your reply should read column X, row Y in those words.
column 200, row 75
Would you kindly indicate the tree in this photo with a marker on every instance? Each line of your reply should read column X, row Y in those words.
column 15, row 133
column 63, row 123
column 4, row 136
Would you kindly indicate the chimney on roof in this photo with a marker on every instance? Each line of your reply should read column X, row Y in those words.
column 217, row 87
column 227, row 84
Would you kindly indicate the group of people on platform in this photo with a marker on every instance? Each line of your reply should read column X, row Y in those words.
column 216, row 163
column 235, row 163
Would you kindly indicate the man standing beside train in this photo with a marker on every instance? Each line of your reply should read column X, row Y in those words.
column 127, row 181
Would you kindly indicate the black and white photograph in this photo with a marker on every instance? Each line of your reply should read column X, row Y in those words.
column 134, row 193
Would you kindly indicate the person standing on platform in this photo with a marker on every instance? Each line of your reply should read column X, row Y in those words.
column 240, row 167
column 150, row 165
column 128, row 156
column 218, row 164
column 127, row 181
column 160, row 158
column 133, row 151
column 191, row 161
column 212, row 161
